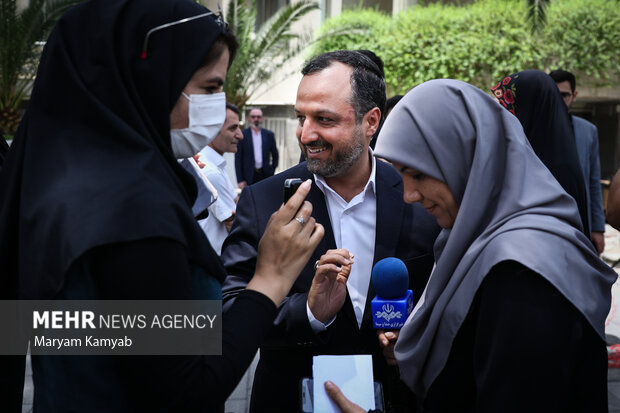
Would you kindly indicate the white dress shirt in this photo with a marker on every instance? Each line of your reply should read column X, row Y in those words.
column 354, row 227
column 224, row 207
column 257, row 143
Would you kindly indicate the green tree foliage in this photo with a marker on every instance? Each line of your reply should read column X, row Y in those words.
column 484, row 41
column 19, row 32
column 537, row 13
column 584, row 35
column 262, row 52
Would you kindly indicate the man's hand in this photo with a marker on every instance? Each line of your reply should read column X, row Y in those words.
column 242, row 184
column 387, row 340
column 345, row 405
column 598, row 238
column 329, row 285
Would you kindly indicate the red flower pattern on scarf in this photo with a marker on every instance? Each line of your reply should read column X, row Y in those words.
column 505, row 93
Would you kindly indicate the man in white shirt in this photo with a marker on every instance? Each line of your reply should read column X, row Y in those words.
column 359, row 201
column 222, row 211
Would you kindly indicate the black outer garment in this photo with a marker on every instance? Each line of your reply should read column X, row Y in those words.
column 4, row 148
column 91, row 163
column 522, row 348
column 155, row 268
column 542, row 112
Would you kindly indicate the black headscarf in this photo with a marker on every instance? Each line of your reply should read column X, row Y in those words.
column 92, row 162
column 534, row 98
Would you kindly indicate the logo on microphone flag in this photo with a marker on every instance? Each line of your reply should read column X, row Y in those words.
column 392, row 313
column 388, row 313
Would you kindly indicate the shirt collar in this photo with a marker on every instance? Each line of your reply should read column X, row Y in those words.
column 323, row 186
column 212, row 156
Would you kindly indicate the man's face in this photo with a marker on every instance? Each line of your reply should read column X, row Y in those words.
column 328, row 135
column 256, row 117
column 229, row 136
column 566, row 92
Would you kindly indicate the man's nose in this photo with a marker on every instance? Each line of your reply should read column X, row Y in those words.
column 307, row 132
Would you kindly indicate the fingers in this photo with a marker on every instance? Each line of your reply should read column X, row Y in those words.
column 337, row 257
column 304, row 216
column 327, row 270
column 387, row 340
column 392, row 335
column 383, row 340
column 387, row 337
column 342, row 252
column 345, row 405
column 289, row 210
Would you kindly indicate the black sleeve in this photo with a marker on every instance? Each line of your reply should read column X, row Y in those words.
column 240, row 252
column 159, row 269
column 533, row 350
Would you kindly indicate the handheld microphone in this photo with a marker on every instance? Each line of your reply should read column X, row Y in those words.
column 394, row 302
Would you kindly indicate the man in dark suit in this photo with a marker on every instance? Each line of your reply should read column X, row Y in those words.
column 359, row 201
column 257, row 154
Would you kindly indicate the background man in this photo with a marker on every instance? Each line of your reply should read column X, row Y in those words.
column 257, row 155
column 359, row 201
column 222, row 211
column 586, row 139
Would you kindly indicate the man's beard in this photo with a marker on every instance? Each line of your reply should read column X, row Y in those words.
column 257, row 124
column 341, row 161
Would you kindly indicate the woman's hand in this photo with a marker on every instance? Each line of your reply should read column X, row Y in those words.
column 290, row 238
column 344, row 404
column 387, row 340
column 329, row 285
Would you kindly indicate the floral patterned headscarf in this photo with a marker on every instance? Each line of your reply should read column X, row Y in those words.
column 505, row 92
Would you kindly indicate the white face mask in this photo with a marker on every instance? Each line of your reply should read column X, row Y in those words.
column 207, row 114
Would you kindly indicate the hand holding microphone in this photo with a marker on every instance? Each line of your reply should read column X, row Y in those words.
column 393, row 302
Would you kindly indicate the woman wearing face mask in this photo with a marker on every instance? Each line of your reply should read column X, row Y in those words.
column 513, row 316
column 95, row 205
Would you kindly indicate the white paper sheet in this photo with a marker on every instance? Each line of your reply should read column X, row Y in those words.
column 353, row 374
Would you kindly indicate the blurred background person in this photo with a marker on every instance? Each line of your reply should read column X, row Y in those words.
column 613, row 202
column 257, row 155
column 533, row 97
column 221, row 212
column 586, row 139
column 390, row 103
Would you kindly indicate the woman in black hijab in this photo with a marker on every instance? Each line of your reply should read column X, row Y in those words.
column 533, row 97
column 94, row 204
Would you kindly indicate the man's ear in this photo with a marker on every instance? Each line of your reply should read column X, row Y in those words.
column 575, row 95
column 372, row 119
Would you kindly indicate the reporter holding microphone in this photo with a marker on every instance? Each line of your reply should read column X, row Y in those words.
column 513, row 316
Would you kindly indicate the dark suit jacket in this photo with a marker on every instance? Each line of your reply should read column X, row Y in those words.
column 586, row 140
column 404, row 231
column 244, row 158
